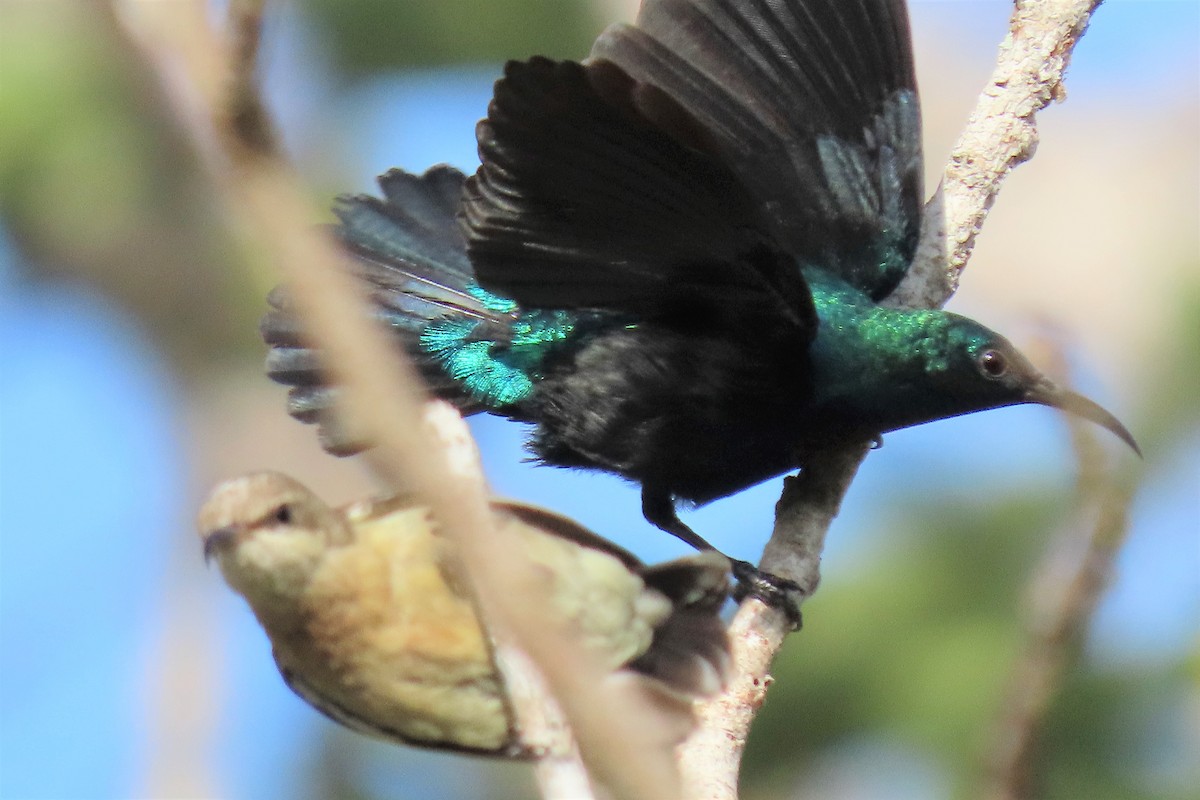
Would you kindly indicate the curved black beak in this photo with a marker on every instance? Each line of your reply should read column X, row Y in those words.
column 218, row 540
column 1047, row 393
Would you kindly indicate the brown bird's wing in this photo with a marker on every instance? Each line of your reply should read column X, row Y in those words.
column 677, row 604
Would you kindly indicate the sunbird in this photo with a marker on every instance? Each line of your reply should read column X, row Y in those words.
column 371, row 623
column 673, row 258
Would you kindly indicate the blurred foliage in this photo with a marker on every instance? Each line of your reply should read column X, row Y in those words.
column 915, row 647
column 1174, row 372
column 365, row 37
column 98, row 182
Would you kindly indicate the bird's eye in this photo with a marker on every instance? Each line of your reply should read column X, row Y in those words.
column 993, row 364
column 283, row 514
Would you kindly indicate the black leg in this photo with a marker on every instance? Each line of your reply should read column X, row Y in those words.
column 658, row 508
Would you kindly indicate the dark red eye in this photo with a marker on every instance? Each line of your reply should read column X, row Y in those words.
column 993, row 364
column 283, row 514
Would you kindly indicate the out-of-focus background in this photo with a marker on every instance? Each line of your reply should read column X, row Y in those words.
column 130, row 382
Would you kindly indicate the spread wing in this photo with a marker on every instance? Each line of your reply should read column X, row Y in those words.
column 583, row 202
column 812, row 103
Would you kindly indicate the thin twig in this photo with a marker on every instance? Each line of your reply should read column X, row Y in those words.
column 243, row 113
column 809, row 504
column 543, row 728
column 1062, row 598
column 381, row 391
column 1000, row 134
column 616, row 730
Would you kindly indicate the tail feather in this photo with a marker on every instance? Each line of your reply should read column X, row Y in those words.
column 410, row 254
column 294, row 366
column 430, row 199
column 280, row 327
column 690, row 652
column 415, row 226
column 307, row 403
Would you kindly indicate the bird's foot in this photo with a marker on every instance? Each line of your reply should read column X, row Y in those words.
column 771, row 590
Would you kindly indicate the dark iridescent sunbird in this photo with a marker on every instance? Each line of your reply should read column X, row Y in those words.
column 672, row 258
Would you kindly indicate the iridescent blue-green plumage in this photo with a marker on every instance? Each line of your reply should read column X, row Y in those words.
column 671, row 258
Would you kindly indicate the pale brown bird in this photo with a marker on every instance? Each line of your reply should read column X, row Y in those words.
column 370, row 624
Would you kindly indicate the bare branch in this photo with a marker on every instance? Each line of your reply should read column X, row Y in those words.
column 712, row 755
column 243, row 113
column 543, row 728
column 1061, row 601
column 619, row 734
column 1000, row 134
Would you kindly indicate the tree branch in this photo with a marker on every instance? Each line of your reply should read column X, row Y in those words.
column 623, row 740
column 382, row 391
column 1061, row 600
column 1000, row 134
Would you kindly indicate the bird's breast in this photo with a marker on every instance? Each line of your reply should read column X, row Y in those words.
column 702, row 413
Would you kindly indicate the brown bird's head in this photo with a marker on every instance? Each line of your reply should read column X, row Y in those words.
column 268, row 533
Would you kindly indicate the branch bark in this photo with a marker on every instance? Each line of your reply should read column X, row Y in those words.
column 626, row 746
column 1000, row 134
column 1062, row 598
column 439, row 460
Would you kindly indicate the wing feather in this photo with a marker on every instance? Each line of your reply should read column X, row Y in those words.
column 584, row 200
column 813, row 105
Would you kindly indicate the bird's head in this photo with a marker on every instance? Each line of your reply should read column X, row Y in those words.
column 976, row 368
column 269, row 534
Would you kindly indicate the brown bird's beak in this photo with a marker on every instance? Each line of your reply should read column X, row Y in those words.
column 1048, row 393
column 218, row 540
